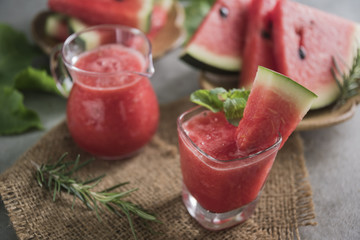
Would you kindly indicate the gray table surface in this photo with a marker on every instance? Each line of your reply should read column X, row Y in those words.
column 332, row 154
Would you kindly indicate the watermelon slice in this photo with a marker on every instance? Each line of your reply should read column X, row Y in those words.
column 90, row 40
column 258, row 49
column 217, row 44
column 276, row 105
column 60, row 27
column 56, row 27
column 305, row 40
column 159, row 16
column 133, row 13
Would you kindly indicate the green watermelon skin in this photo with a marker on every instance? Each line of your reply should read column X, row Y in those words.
column 258, row 49
column 275, row 106
column 305, row 40
column 217, row 44
column 133, row 13
column 56, row 27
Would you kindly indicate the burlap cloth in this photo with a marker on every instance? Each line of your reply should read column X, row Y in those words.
column 284, row 206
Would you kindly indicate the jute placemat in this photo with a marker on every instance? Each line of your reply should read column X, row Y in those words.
column 284, row 206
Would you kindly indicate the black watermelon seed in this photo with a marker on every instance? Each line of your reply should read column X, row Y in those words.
column 265, row 34
column 302, row 53
column 224, row 12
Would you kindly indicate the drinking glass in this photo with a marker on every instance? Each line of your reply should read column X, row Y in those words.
column 217, row 193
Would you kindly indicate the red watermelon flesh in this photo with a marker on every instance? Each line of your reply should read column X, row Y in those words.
column 305, row 40
column 218, row 42
column 276, row 105
column 133, row 13
column 56, row 27
column 159, row 17
column 258, row 49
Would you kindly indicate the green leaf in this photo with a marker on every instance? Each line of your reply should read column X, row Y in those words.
column 239, row 93
column 16, row 54
column 219, row 92
column 209, row 99
column 35, row 80
column 234, row 109
column 231, row 102
column 16, row 57
column 14, row 116
column 195, row 11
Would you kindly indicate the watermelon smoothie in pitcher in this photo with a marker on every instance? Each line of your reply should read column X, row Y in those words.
column 112, row 109
column 228, row 145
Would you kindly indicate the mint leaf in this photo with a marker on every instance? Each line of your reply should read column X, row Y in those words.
column 16, row 53
column 219, row 92
column 209, row 99
column 239, row 93
column 14, row 116
column 234, row 109
column 195, row 11
column 35, row 80
column 231, row 102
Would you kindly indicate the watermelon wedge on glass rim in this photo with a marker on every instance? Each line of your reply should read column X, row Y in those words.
column 306, row 40
column 275, row 106
column 132, row 13
column 217, row 44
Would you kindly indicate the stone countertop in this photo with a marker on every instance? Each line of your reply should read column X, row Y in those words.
column 332, row 154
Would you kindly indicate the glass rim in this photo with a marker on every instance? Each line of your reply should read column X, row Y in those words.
column 250, row 156
column 135, row 31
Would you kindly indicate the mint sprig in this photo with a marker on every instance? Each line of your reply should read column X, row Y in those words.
column 231, row 102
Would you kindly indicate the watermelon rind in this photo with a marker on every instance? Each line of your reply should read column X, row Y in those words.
column 144, row 15
column 53, row 24
column 205, row 60
column 89, row 40
column 327, row 95
column 280, row 83
column 217, row 43
column 133, row 13
column 164, row 4
column 76, row 25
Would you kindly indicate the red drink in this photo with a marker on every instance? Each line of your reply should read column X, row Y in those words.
column 221, row 185
column 112, row 109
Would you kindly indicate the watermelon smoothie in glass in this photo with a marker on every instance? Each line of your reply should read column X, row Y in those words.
column 221, row 185
column 112, row 109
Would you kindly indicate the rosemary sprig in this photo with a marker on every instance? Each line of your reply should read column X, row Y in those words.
column 57, row 177
column 350, row 82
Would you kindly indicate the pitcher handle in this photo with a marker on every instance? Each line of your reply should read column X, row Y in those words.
column 59, row 71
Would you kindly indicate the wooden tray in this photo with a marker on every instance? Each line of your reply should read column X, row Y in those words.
column 314, row 119
column 172, row 35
